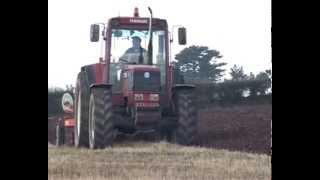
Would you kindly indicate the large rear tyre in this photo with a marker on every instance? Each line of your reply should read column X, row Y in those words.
column 81, row 135
column 186, row 128
column 101, row 128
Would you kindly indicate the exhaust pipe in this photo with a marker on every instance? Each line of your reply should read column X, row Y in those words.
column 150, row 48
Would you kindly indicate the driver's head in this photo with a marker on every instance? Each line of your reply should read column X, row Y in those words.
column 136, row 40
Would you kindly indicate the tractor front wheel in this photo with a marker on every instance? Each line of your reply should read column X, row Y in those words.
column 101, row 129
column 185, row 108
column 81, row 135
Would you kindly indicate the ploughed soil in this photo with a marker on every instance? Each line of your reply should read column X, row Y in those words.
column 239, row 128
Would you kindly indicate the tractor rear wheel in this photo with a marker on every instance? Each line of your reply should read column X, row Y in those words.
column 101, row 128
column 81, row 135
column 186, row 128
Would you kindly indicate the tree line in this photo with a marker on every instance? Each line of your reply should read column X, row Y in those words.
column 200, row 65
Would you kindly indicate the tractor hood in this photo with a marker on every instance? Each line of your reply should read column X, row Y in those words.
column 141, row 67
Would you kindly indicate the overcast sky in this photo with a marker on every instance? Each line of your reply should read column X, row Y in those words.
column 239, row 29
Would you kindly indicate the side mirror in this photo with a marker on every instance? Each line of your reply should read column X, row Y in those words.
column 182, row 36
column 94, row 32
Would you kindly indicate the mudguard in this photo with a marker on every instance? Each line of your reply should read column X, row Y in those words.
column 96, row 85
column 183, row 86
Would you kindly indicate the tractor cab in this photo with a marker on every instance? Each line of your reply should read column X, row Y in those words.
column 135, row 41
column 129, row 52
column 131, row 46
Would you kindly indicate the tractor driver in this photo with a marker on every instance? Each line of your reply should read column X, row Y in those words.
column 136, row 54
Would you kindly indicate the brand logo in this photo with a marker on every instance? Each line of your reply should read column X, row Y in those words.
column 146, row 75
column 142, row 21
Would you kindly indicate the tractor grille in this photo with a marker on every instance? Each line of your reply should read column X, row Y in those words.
column 148, row 108
column 146, row 81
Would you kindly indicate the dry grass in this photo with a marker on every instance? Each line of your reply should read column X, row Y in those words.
column 144, row 160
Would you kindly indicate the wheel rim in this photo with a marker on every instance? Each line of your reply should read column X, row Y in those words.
column 91, row 124
column 79, row 114
column 92, row 121
column 57, row 135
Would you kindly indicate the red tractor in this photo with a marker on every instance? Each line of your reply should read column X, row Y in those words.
column 133, row 91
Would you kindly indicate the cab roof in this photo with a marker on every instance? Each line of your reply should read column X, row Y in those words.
column 137, row 21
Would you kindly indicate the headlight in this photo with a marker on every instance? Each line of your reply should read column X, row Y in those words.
column 154, row 97
column 138, row 97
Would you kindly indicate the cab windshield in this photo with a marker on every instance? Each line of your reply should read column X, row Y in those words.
column 131, row 47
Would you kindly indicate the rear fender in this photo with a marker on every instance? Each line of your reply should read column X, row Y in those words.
column 95, row 73
column 177, row 87
column 100, row 85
